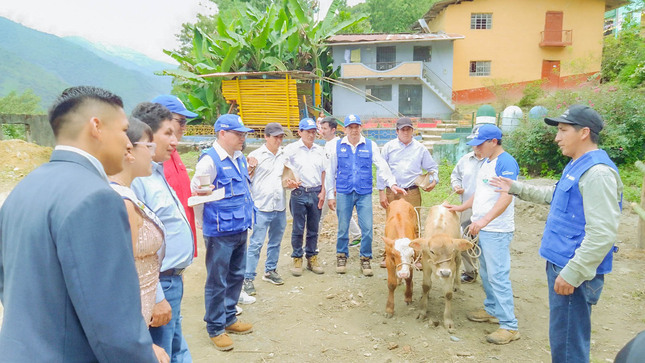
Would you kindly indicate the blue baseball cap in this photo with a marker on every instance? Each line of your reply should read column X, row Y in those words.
column 230, row 122
column 174, row 104
column 352, row 120
column 307, row 124
column 484, row 133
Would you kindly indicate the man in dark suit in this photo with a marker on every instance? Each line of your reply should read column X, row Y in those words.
column 68, row 282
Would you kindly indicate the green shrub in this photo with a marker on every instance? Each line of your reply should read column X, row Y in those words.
column 531, row 93
column 623, row 137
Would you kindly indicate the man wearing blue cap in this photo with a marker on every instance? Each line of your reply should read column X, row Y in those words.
column 493, row 220
column 174, row 169
column 580, row 231
column 307, row 161
column 225, row 226
column 349, row 186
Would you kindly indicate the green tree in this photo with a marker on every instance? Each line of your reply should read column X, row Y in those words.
column 283, row 36
column 623, row 57
column 394, row 16
column 27, row 103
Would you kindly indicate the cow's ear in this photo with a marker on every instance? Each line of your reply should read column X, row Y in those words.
column 462, row 244
column 417, row 244
column 388, row 241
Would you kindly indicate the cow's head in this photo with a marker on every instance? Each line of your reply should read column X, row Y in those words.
column 441, row 251
column 400, row 254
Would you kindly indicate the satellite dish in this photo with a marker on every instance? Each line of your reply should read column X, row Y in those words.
column 424, row 25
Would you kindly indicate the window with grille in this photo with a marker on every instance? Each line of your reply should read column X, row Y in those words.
column 481, row 21
column 479, row 68
column 384, row 93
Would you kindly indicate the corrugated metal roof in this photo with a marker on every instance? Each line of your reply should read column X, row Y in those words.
column 387, row 38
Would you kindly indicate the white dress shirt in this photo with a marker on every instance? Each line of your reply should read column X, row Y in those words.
column 206, row 165
column 407, row 162
column 266, row 182
column 307, row 163
column 382, row 169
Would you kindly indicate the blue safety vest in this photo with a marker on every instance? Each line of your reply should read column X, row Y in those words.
column 234, row 213
column 354, row 172
column 565, row 225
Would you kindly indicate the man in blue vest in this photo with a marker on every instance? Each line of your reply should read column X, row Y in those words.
column 225, row 226
column 349, row 184
column 580, row 231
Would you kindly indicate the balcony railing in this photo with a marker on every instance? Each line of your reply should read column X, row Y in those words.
column 558, row 38
column 381, row 70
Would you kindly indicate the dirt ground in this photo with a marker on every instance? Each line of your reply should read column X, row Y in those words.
column 333, row 317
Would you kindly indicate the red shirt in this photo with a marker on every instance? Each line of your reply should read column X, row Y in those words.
column 177, row 176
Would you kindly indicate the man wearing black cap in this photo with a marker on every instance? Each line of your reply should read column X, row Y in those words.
column 580, row 232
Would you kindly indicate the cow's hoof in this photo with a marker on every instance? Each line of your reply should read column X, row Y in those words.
column 435, row 323
column 389, row 315
column 421, row 316
column 408, row 302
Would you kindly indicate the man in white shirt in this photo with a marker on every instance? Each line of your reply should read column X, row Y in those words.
column 307, row 161
column 493, row 220
column 349, row 185
column 266, row 165
column 407, row 158
column 327, row 130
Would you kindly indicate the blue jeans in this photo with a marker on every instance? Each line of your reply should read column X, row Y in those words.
column 225, row 265
column 273, row 222
column 495, row 269
column 570, row 318
column 304, row 210
column 345, row 204
column 169, row 336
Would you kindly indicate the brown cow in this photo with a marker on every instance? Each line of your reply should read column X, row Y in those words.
column 401, row 226
column 441, row 249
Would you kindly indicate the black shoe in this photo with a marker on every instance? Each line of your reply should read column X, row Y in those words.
column 468, row 279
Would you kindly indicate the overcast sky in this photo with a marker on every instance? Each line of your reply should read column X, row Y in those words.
column 147, row 26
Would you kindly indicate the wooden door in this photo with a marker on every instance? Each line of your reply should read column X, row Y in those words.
column 551, row 73
column 553, row 27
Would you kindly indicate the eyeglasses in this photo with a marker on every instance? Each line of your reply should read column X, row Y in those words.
column 150, row 145
column 182, row 120
column 237, row 133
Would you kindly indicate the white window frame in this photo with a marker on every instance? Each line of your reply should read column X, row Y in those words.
column 482, row 68
column 481, row 21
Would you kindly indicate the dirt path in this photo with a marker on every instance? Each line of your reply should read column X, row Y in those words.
column 341, row 317
column 334, row 317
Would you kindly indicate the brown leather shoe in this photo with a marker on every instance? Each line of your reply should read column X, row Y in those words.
column 222, row 342
column 365, row 266
column 296, row 270
column 481, row 316
column 341, row 263
column 503, row 336
column 314, row 266
column 239, row 328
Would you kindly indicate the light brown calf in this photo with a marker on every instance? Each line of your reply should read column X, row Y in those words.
column 401, row 226
column 441, row 249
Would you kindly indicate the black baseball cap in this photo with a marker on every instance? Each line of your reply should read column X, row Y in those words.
column 273, row 129
column 582, row 115
column 403, row 122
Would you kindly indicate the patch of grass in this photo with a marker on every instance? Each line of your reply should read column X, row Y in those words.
column 190, row 160
column 633, row 181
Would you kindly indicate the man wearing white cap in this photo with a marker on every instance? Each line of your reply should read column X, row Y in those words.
column 307, row 160
column 349, row 186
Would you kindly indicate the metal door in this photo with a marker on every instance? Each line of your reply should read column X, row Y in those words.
column 410, row 100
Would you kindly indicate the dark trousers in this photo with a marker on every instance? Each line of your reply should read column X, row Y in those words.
column 225, row 265
column 304, row 209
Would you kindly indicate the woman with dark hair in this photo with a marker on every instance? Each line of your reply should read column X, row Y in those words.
column 147, row 230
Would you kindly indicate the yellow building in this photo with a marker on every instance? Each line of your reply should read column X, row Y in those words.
column 514, row 42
